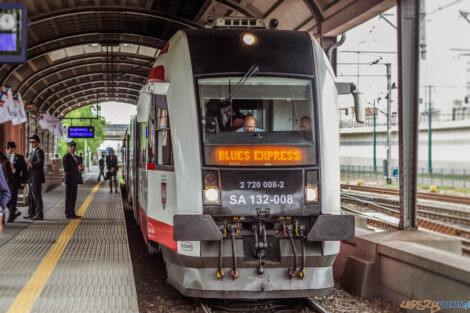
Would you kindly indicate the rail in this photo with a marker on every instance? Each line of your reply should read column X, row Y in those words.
column 442, row 220
column 304, row 305
column 421, row 195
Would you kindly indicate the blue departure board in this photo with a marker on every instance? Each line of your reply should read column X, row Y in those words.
column 81, row 132
column 13, row 39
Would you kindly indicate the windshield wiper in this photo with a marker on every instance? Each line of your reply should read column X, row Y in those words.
column 251, row 71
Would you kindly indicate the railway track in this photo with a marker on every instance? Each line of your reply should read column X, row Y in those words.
column 424, row 223
column 457, row 217
column 421, row 195
column 301, row 305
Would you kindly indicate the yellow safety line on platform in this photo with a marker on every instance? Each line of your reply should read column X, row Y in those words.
column 27, row 297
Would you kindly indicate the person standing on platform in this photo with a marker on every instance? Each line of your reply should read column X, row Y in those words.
column 35, row 179
column 101, row 166
column 112, row 165
column 72, row 179
column 17, row 180
column 4, row 195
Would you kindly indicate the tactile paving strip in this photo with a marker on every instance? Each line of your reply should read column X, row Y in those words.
column 94, row 273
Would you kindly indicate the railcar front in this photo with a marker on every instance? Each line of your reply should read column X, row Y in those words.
column 255, row 209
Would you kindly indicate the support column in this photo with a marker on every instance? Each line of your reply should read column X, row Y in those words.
column 408, row 19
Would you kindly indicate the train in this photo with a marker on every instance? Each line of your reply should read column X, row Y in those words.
column 231, row 164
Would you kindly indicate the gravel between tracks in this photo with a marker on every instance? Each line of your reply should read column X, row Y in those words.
column 154, row 295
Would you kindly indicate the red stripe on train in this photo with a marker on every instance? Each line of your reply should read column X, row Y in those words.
column 156, row 231
column 152, row 167
column 162, row 233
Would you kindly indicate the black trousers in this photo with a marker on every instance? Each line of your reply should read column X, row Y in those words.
column 13, row 200
column 35, row 200
column 101, row 174
column 70, row 199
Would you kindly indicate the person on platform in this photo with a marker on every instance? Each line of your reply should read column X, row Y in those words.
column 101, row 166
column 4, row 194
column 72, row 178
column 17, row 180
column 35, row 179
column 112, row 166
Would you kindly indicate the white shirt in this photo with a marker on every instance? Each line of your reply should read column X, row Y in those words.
column 11, row 157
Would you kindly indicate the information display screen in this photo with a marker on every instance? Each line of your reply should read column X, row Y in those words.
column 13, row 37
column 82, row 132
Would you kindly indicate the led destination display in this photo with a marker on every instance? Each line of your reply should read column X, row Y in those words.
column 82, row 132
column 247, row 155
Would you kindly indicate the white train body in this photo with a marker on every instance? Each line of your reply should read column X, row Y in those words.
column 199, row 184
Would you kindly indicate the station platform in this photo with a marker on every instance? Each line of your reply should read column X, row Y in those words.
column 61, row 265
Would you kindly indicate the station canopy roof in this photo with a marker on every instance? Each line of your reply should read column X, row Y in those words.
column 83, row 51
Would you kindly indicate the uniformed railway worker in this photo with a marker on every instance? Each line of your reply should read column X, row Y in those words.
column 17, row 180
column 72, row 178
column 35, row 179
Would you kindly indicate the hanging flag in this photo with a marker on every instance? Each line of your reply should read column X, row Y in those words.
column 42, row 121
column 4, row 115
column 7, row 106
column 21, row 114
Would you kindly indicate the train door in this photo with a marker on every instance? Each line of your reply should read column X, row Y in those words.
column 142, row 176
column 161, row 175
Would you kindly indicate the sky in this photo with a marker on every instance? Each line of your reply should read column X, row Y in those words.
column 117, row 112
column 445, row 67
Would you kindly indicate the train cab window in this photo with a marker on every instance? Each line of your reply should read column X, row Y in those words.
column 267, row 121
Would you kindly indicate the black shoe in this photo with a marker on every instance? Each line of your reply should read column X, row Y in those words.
column 37, row 218
column 12, row 218
column 76, row 216
column 27, row 217
column 111, row 191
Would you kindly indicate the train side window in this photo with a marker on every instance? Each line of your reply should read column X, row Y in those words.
column 163, row 137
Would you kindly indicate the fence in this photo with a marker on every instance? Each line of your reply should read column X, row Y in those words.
column 439, row 177
column 456, row 115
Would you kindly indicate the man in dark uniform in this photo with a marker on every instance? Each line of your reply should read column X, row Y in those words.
column 36, row 178
column 17, row 180
column 112, row 165
column 72, row 178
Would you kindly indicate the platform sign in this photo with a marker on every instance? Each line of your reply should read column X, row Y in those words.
column 13, row 37
column 81, row 132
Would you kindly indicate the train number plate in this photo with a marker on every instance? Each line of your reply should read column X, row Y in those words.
column 245, row 192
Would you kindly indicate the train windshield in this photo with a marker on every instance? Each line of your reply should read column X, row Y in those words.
column 266, row 121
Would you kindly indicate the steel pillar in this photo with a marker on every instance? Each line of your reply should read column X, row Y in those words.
column 389, row 122
column 408, row 19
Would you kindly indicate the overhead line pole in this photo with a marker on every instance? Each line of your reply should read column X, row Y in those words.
column 408, row 108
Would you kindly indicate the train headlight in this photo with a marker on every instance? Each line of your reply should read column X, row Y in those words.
column 211, row 195
column 249, row 39
column 311, row 193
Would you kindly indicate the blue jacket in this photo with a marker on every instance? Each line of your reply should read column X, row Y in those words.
column 4, row 190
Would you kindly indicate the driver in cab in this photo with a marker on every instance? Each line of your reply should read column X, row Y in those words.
column 249, row 125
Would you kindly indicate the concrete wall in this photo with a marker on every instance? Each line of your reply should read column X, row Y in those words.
column 450, row 146
column 404, row 265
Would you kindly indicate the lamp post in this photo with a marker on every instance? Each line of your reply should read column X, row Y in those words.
column 375, row 141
